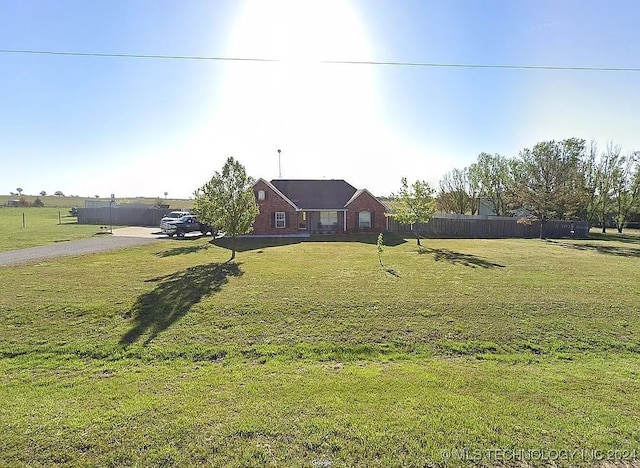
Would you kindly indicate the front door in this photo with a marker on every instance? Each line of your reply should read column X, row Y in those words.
column 302, row 220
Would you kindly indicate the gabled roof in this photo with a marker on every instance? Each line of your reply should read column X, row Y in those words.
column 360, row 192
column 311, row 194
column 275, row 189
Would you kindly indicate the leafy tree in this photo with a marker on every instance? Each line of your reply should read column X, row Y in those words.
column 19, row 190
column 415, row 204
column 38, row 202
column 589, row 170
column 547, row 180
column 227, row 202
column 58, row 193
column 635, row 207
column 43, row 194
column 492, row 175
column 575, row 190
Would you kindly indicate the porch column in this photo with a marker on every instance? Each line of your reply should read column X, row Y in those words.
column 344, row 225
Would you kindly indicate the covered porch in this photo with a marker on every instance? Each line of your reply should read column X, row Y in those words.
column 322, row 222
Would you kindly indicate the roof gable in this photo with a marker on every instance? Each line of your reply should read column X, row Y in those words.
column 276, row 190
column 365, row 191
column 312, row 194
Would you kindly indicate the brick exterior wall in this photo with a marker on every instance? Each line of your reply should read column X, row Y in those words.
column 273, row 202
column 366, row 202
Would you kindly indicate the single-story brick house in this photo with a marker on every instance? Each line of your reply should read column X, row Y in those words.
column 305, row 207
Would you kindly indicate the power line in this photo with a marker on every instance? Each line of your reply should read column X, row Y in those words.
column 134, row 56
column 330, row 62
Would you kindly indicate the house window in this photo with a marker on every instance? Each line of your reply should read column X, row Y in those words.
column 280, row 219
column 261, row 195
column 329, row 218
column 364, row 219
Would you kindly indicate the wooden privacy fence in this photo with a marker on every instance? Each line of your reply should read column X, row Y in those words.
column 449, row 225
column 121, row 216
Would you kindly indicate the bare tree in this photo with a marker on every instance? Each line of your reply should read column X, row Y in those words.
column 626, row 188
column 456, row 194
column 608, row 171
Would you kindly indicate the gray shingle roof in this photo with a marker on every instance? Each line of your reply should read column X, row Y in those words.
column 310, row 194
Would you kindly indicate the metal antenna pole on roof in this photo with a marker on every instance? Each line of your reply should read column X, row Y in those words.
column 279, row 166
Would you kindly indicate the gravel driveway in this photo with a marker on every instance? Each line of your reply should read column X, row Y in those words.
column 125, row 237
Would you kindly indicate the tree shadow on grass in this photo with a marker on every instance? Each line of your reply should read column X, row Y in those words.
column 458, row 258
column 174, row 296
column 182, row 250
column 615, row 236
column 600, row 248
column 391, row 239
column 391, row 271
column 244, row 244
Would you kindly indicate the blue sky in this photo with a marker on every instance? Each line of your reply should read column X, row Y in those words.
column 141, row 126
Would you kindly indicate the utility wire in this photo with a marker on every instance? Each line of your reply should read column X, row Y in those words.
column 135, row 56
column 331, row 62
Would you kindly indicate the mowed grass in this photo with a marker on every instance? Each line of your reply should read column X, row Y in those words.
column 51, row 201
column 30, row 227
column 308, row 353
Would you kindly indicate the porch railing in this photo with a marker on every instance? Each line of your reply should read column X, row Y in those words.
column 320, row 228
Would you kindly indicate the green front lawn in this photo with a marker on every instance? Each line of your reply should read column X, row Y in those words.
column 30, row 227
column 305, row 353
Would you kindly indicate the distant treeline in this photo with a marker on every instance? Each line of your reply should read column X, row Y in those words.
column 566, row 179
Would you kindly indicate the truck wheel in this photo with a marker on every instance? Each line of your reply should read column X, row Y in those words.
column 180, row 233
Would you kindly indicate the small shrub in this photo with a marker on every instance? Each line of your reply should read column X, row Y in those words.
column 380, row 247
